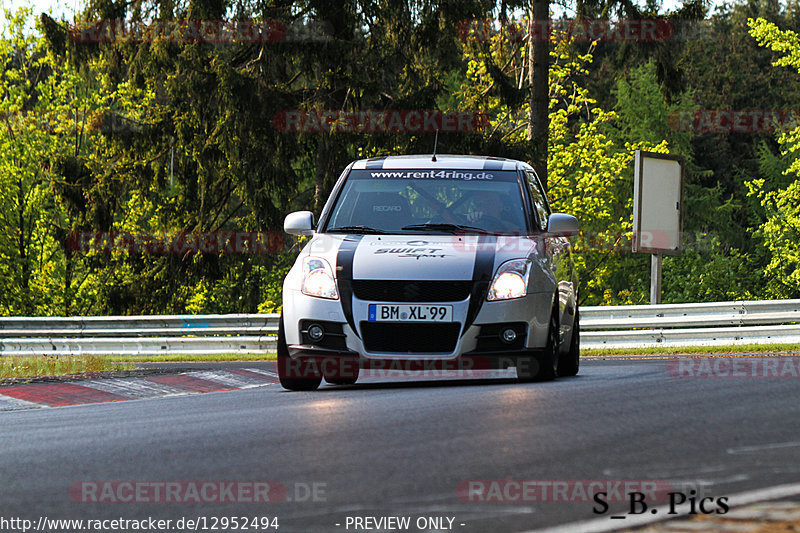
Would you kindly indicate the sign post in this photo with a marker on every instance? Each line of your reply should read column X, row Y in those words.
column 655, row 279
column 657, row 195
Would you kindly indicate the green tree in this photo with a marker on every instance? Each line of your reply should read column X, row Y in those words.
column 781, row 229
column 589, row 170
column 212, row 122
column 45, row 110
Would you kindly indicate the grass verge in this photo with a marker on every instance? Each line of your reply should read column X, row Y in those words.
column 739, row 349
column 189, row 358
column 732, row 349
column 55, row 365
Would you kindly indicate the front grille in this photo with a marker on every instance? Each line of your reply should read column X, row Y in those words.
column 411, row 291
column 410, row 338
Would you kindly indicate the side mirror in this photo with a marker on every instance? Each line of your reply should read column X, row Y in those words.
column 562, row 224
column 299, row 223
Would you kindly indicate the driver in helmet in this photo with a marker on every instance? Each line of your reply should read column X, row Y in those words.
column 486, row 206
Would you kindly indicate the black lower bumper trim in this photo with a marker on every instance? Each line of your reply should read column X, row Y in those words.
column 309, row 350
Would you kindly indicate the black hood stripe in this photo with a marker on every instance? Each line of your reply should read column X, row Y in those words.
column 375, row 163
column 482, row 272
column 344, row 276
column 481, row 277
column 493, row 164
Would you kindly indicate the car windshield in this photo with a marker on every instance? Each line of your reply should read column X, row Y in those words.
column 429, row 201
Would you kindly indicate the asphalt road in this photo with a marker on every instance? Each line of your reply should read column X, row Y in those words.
column 404, row 448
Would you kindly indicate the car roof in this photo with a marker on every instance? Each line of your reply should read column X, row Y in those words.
column 443, row 161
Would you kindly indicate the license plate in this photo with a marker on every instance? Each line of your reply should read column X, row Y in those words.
column 410, row 313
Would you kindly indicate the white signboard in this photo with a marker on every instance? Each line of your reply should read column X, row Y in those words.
column 657, row 184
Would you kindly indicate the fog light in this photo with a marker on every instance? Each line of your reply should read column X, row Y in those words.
column 315, row 332
column 508, row 336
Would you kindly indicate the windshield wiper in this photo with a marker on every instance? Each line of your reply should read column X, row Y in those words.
column 455, row 228
column 358, row 229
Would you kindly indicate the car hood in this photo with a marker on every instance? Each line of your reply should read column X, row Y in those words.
column 418, row 257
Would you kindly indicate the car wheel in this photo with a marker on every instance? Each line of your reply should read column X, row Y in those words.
column 569, row 364
column 345, row 372
column 341, row 381
column 294, row 374
column 542, row 367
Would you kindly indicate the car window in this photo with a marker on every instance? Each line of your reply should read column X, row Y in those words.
column 540, row 205
column 392, row 200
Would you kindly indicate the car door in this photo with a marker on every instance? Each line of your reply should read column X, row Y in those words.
column 558, row 254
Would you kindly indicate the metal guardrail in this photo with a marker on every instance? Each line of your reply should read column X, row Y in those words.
column 158, row 325
column 139, row 335
column 137, row 345
column 631, row 326
column 701, row 324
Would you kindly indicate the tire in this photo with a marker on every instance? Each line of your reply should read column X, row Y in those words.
column 341, row 381
column 569, row 364
column 345, row 373
column 295, row 375
column 543, row 366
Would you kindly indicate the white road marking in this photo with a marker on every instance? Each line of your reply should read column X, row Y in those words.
column 267, row 373
column 9, row 403
column 132, row 387
column 731, row 479
column 225, row 378
column 762, row 447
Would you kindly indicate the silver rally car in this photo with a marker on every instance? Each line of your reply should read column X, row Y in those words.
column 421, row 262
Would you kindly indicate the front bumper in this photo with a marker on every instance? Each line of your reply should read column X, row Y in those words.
column 440, row 341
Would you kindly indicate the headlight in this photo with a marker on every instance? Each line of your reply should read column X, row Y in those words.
column 510, row 281
column 318, row 279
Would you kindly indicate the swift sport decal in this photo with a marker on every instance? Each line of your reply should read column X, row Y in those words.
column 416, row 253
column 434, row 257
